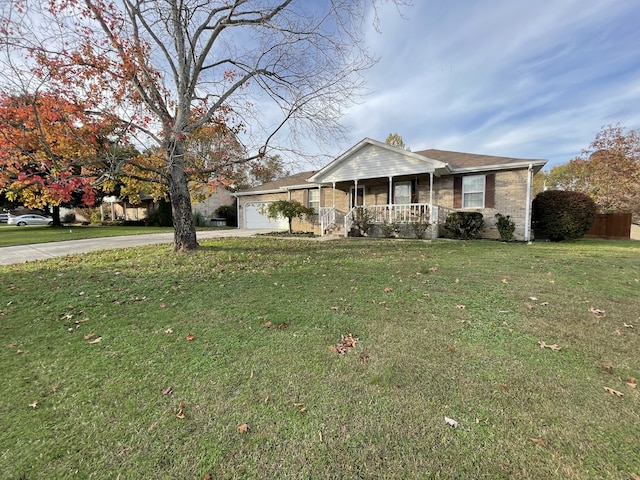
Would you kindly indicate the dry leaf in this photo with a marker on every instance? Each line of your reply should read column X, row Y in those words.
column 482, row 420
column 89, row 335
column 96, row 340
column 553, row 347
column 169, row 331
column 457, row 280
column 450, row 348
column 539, row 441
column 614, row 392
column 335, row 308
column 505, row 281
column 607, row 368
column 627, row 325
column 266, row 399
column 167, row 391
column 208, row 477
column 332, row 348
column 268, row 324
column 180, row 413
column 632, row 382
column 283, row 325
column 388, row 289
column 433, row 269
column 461, row 307
column 504, row 387
column 303, row 410
column 533, row 298
column 597, row 312
column 34, row 404
column 544, row 304
column 451, row 422
column 190, row 337
column 298, row 404
column 244, row 428
column 343, row 429
column 320, row 435
column 163, row 305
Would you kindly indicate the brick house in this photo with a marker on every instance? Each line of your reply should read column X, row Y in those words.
column 397, row 186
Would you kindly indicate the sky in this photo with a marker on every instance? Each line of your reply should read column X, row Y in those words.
column 525, row 78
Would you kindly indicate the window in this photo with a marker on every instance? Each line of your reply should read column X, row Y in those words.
column 402, row 193
column 314, row 199
column 473, row 191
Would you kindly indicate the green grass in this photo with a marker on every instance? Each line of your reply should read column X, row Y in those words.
column 376, row 412
column 11, row 235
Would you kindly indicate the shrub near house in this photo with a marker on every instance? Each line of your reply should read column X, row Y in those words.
column 563, row 215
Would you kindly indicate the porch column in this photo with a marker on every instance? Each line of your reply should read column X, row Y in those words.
column 390, row 198
column 431, row 197
column 355, row 193
column 334, row 194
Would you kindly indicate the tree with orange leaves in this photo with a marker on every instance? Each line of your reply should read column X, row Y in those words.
column 50, row 150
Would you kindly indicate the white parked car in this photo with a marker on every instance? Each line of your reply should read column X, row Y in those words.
column 29, row 219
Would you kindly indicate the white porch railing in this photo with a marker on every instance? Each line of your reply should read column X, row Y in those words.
column 327, row 217
column 394, row 213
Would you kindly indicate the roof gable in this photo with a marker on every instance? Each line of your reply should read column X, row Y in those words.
column 373, row 159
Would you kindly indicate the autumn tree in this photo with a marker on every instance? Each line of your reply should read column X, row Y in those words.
column 395, row 140
column 49, row 151
column 608, row 171
column 285, row 68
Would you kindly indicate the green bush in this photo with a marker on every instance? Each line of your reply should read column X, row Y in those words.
column 464, row 225
column 69, row 218
column 563, row 215
column 505, row 227
column 362, row 222
column 199, row 219
column 390, row 230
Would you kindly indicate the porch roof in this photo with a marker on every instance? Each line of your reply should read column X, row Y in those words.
column 373, row 159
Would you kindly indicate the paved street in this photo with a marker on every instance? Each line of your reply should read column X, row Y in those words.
column 41, row 251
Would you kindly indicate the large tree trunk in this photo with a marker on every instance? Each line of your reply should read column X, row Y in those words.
column 184, row 230
column 55, row 214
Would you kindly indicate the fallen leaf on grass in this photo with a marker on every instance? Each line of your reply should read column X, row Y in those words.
column 190, row 337
column 632, row 382
column 482, row 420
column 607, row 368
column 627, row 325
column 505, row 281
column 388, row 290
column 544, row 304
column 34, row 404
column 167, row 391
column 283, row 325
column 303, row 410
column 614, row 392
column 268, row 324
column 539, row 441
column 169, row 331
column 298, row 404
column 451, row 422
column 244, row 428
column 180, row 413
column 346, row 344
column 505, row 387
column 433, row 269
column 553, row 347
column 597, row 312
column 208, row 477
column 89, row 335
column 533, row 298
column 461, row 307
column 96, row 340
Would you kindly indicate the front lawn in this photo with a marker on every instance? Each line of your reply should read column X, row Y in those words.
column 141, row 363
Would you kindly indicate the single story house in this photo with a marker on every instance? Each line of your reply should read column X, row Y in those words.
column 397, row 186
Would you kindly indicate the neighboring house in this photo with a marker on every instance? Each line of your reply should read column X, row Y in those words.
column 115, row 208
column 209, row 206
column 398, row 186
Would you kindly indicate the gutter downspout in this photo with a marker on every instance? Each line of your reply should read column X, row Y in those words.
column 527, row 214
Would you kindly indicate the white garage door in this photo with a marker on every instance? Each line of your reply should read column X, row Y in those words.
column 254, row 218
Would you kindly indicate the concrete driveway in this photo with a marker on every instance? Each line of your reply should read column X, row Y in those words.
column 42, row 251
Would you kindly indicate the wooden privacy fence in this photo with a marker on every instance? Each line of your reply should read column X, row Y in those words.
column 613, row 226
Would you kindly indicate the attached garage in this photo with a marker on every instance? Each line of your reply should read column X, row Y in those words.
column 255, row 217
